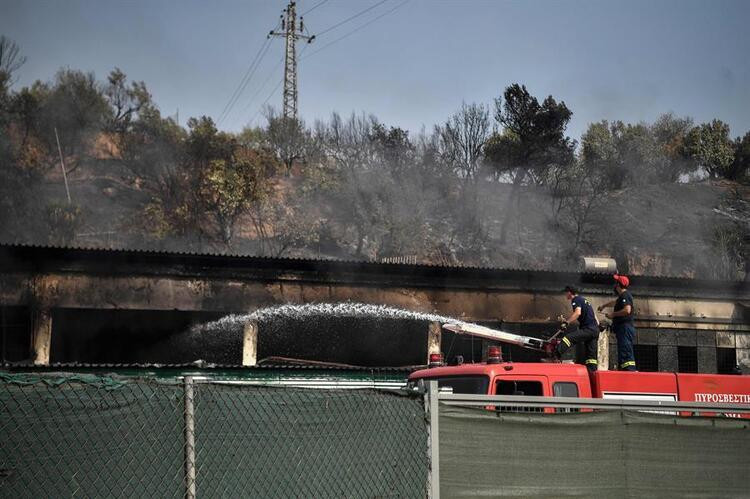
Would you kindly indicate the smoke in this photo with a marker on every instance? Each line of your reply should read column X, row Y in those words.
column 351, row 188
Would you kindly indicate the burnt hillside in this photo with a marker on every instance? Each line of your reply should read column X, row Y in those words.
column 661, row 229
column 496, row 187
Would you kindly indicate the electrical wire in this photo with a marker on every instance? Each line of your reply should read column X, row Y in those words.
column 275, row 89
column 244, row 82
column 264, row 49
column 313, row 8
column 450, row 348
column 246, row 78
column 299, row 59
column 362, row 26
column 263, row 85
column 368, row 9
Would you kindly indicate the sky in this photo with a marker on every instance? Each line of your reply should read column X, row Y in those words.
column 630, row 60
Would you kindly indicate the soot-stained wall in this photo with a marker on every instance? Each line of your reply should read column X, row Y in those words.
column 129, row 336
column 343, row 340
column 347, row 340
column 117, row 336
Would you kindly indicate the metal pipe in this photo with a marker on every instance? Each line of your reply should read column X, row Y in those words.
column 190, row 472
column 434, row 442
column 496, row 335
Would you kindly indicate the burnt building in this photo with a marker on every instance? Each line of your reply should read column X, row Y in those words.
column 74, row 305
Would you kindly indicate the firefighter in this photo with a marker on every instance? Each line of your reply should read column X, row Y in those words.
column 622, row 322
column 588, row 328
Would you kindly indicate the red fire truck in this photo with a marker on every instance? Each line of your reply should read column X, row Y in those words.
column 555, row 379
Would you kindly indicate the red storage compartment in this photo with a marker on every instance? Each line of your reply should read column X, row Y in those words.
column 634, row 385
column 714, row 389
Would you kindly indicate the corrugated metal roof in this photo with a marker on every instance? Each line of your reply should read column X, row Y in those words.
column 209, row 367
column 154, row 252
column 48, row 258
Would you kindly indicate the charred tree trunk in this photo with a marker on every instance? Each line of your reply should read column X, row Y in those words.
column 514, row 194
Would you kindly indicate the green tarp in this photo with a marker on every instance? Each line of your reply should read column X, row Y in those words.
column 83, row 439
column 272, row 442
column 603, row 454
column 97, row 436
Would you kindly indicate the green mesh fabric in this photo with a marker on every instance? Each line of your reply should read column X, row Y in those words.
column 69, row 438
column 309, row 443
column 96, row 436
column 603, row 454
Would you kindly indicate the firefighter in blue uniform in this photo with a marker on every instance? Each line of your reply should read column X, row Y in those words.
column 622, row 323
column 588, row 328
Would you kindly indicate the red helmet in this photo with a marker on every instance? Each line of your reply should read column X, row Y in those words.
column 622, row 280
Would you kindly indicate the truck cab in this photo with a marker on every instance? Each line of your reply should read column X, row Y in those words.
column 495, row 377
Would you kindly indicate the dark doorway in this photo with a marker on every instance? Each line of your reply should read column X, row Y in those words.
column 15, row 334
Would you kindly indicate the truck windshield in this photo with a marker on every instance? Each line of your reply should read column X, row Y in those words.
column 466, row 384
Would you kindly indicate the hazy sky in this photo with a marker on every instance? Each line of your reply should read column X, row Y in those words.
column 629, row 60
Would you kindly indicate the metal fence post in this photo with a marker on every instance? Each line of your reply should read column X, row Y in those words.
column 434, row 444
column 189, row 439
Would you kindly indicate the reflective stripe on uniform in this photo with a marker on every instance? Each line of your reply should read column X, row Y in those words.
column 591, row 361
column 566, row 341
column 628, row 363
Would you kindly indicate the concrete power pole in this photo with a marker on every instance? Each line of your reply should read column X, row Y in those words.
column 290, row 32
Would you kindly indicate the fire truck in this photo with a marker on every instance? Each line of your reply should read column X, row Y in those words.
column 560, row 379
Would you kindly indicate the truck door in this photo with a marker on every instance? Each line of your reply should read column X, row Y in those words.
column 534, row 386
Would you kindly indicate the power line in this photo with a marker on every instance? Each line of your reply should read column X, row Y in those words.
column 262, row 86
column 368, row 9
column 313, row 8
column 233, row 97
column 275, row 89
column 362, row 26
column 245, row 80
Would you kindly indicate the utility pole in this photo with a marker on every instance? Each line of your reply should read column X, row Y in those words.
column 62, row 165
column 291, row 34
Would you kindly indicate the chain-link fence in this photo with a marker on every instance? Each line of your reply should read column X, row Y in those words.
column 614, row 454
column 102, row 436
column 95, row 436
column 611, row 448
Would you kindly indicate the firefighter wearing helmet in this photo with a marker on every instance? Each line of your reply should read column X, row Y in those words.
column 622, row 322
column 587, row 332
